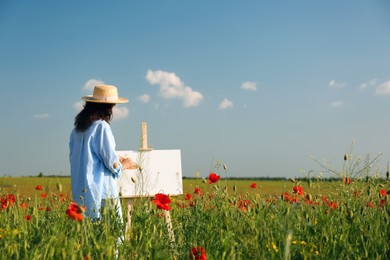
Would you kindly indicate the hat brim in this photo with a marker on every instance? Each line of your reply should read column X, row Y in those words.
column 120, row 100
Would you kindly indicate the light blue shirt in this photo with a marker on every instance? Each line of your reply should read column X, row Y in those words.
column 92, row 166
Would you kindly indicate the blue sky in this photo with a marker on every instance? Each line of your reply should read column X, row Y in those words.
column 261, row 86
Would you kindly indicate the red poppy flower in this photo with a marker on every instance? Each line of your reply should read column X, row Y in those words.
column 286, row 196
column 43, row 195
column 63, row 198
column 198, row 253
column 39, row 187
column 162, row 201
column 7, row 200
column 188, row 197
column 294, row 199
column 198, row 191
column 11, row 199
column 383, row 192
column 243, row 205
column 75, row 211
column 298, row 190
column 370, row 204
column 213, row 178
column 347, row 181
column 253, row 185
column 27, row 217
column 334, row 205
column 23, row 205
column 309, row 200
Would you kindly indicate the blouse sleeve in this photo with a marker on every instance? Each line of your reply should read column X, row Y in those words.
column 106, row 150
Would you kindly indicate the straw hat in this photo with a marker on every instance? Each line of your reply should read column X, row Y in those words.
column 105, row 94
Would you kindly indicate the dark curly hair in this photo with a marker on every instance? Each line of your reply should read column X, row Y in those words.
column 92, row 112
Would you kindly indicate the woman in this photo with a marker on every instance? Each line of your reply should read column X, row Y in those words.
column 94, row 163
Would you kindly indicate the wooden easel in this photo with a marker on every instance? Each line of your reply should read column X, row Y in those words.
column 144, row 148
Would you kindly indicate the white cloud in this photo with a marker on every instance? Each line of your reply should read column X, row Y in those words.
column 335, row 84
column 41, row 116
column 367, row 84
column 119, row 112
column 90, row 84
column 171, row 86
column 226, row 103
column 383, row 89
column 337, row 103
column 145, row 98
column 248, row 85
column 79, row 105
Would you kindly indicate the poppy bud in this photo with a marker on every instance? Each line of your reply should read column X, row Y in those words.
column 350, row 214
column 225, row 167
column 292, row 180
column 387, row 174
column 345, row 157
column 59, row 187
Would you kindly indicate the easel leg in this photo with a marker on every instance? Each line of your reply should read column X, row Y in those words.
column 128, row 223
column 169, row 226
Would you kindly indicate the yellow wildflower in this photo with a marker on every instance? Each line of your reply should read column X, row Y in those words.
column 275, row 247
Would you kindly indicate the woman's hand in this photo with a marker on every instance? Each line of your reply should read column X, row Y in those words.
column 127, row 163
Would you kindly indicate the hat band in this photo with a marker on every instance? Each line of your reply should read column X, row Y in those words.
column 105, row 98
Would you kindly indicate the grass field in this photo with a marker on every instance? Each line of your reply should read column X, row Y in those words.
column 26, row 185
column 228, row 219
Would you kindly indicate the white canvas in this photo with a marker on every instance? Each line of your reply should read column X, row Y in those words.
column 160, row 173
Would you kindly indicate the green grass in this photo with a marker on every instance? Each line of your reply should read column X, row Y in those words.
column 26, row 185
column 237, row 222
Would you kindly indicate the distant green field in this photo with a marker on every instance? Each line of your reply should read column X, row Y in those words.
column 26, row 185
